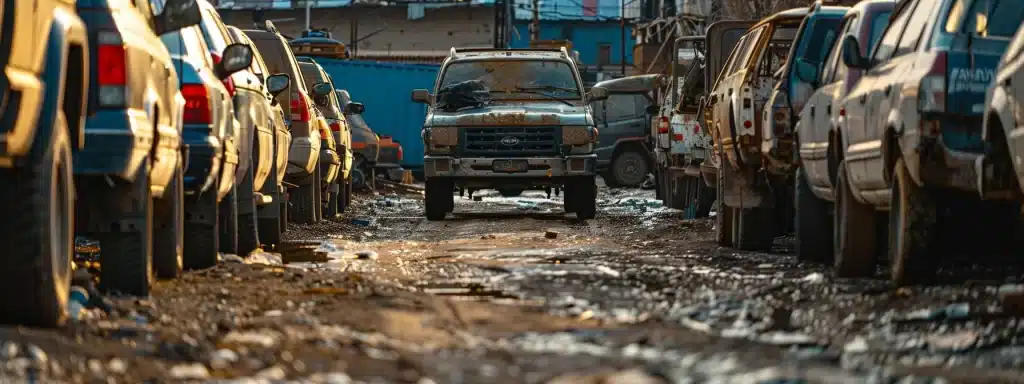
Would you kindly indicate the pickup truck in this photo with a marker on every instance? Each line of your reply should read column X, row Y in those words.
column 510, row 119
column 129, row 176
column 44, row 80
column 623, row 156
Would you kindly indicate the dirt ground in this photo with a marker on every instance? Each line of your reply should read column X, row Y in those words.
column 510, row 290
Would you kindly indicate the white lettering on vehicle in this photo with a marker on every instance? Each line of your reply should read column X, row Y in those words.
column 970, row 80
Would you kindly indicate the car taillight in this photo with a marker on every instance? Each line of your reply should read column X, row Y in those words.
column 932, row 94
column 696, row 128
column 663, row 125
column 400, row 153
column 228, row 83
column 197, row 104
column 336, row 126
column 300, row 107
column 112, row 69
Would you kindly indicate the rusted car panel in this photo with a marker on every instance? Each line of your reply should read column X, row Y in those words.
column 1000, row 173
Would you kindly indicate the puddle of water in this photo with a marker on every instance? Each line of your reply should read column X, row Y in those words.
column 466, row 291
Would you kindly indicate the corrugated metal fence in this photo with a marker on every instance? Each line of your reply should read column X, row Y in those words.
column 385, row 88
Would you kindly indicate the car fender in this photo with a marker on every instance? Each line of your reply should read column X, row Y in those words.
column 66, row 29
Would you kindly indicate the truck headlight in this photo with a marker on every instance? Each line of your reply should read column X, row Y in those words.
column 443, row 136
column 577, row 135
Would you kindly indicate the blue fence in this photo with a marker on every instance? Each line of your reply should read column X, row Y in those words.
column 385, row 88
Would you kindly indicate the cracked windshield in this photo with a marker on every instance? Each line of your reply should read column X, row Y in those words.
column 511, row 191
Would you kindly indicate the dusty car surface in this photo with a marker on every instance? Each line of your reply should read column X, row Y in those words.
column 816, row 130
column 271, row 199
column 365, row 143
column 40, row 125
column 509, row 119
column 1000, row 176
column 304, row 153
column 340, row 188
column 623, row 153
column 128, row 178
column 912, row 133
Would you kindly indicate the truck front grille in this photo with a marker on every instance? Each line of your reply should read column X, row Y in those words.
column 510, row 141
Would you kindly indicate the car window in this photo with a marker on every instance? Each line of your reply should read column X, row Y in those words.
column 887, row 46
column 830, row 71
column 747, row 51
column 919, row 19
column 878, row 23
column 511, row 77
column 991, row 18
column 620, row 107
column 733, row 57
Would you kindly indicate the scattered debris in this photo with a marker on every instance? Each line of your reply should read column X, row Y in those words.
column 366, row 255
column 550, row 234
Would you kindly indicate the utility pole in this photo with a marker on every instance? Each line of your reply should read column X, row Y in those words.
column 622, row 42
column 535, row 25
column 308, row 5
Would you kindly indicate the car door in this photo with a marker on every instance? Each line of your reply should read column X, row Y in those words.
column 619, row 115
column 858, row 138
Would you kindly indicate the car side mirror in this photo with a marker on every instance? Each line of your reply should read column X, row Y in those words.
column 851, row 54
column 421, row 96
column 177, row 14
column 236, row 57
column 322, row 89
column 278, row 83
column 653, row 109
column 355, row 108
column 597, row 94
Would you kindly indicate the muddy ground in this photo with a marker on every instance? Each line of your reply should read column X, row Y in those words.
column 509, row 290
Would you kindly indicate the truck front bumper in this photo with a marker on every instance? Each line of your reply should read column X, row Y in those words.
column 538, row 167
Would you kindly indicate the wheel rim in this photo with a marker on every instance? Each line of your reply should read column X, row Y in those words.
column 358, row 178
column 60, row 231
column 630, row 170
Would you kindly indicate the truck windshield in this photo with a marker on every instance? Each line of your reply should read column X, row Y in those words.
column 517, row 78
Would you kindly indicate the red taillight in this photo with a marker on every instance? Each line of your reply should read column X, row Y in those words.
column 400, row 153
column 300, row 107
column 197, row 104
column 696, row 128
column 112, row 69
column 663, row 125
column 747, row 124
column 677, row 137
column 336, row 126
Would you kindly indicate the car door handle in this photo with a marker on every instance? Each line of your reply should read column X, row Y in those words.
column 888, row 89
column 1006, row 82
column 828, row 109
column 812, row 109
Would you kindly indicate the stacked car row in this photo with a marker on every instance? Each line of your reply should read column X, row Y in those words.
column 832, row 116
column 161, row 132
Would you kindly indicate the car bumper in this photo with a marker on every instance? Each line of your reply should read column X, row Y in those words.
column 302, row 157
column 329, row 165
column 941, row 166
column 539, row 167
column 205, row 159
column 117, row 141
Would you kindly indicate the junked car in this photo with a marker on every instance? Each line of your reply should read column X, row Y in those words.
column 1000, row 174
column 623, row 156
column 912, row 133
column 340, row 189
column 816, row 131
column 128, row 179
column 365, row 143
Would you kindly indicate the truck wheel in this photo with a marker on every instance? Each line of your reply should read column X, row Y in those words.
column 510, row 192
column 439, row 199
column 304, row 202
column 127, row 255
column 911, row 223
column 37, row 231
column 854, row 231
column 169, row 225
column 569, row 197
column 202, row 238
column 229, row 222
column 585, row 197
column 813, row 227
column 723, row 218
column 754, row 229
column 629, row 168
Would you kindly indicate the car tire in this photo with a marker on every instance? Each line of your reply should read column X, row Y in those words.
column 629, row 168
column 270, row 227
column 229, row 222
column 37, row 266
column 439, row 199
column 304, row 201
column 246, row 221
column 569, row 197
column 333, row 202
column 585, row 197
column 705, row 198
column 854, row 231
column 911, row 225
column 285, row 208
column 348, row 196
column 169, row 229
column 127, row 255
column 202, row 235
column 813, row 224
column 723, row 218
column 754, row 231
column 510, row 192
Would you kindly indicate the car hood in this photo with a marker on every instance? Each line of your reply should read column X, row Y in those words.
column 513, row 114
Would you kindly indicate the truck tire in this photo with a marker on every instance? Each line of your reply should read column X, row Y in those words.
column 304, row 201
column 202, row 236
column 169, row 225
column 854, row 231
column 584, row 197
column 439, row 199
column 510, row 192
column 629, row 168
column 813, row 225
column 127, row 255
column 754, row 230
column 229, row 222
column 35, row 272
column 911, row 223
column 568, row 197
column 723, row 218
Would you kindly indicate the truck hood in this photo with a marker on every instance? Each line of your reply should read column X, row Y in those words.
column 513, row 114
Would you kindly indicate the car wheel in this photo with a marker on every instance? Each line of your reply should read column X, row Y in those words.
column 169, row 225
column 629, row 169
column 440, row 198
column 304, row 202
column 853, row 231
column 911, row 223
column 127, row 255
column 229, row 222
column 585, row 197
column 813, row 224
column 202, row 236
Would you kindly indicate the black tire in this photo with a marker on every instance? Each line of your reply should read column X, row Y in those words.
column 304, row 203
column 510, row 192
column 723, row 217
column 169, row 229
column 659, row 185
column 333, row 203
column 35, row 272
column 127, row 256
column 813, row 224
column 705, row 199
column 285, row 209
column 229, row 222
column 911, row 223
column 348, row 195
column 202, row 238
column 754, row 231
column 318, row 208
column 569, row 197
column 629, row 168
column 439, row 199
column 585, row 199
column 270, row 227
column 248, row 237
column 854, row 231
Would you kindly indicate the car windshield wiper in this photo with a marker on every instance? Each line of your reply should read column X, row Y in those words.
column 539, row 91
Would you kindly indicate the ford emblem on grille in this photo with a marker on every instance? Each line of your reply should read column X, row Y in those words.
column 510, row 140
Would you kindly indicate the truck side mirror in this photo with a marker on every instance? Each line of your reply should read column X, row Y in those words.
column 355, row 108
column 597, row 94
column 851, row 54
column 236, row 57
column 421, row 96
